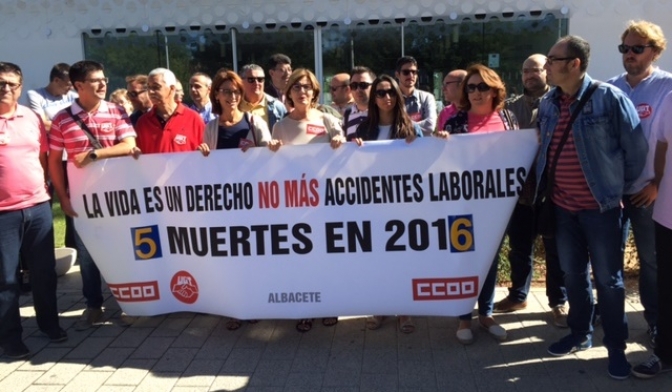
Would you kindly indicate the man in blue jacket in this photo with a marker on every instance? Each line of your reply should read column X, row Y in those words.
column 603, row 155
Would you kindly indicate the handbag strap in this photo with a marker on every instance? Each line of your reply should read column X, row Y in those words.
column 586, row 96
column 96, row 144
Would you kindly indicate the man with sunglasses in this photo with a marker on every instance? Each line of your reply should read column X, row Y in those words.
column 451, row 93
column 136, row 85
column 255, row 100
column 361, row 79
column 420, row 105
column 604, row 151
column 341, row 93
column 642, row 43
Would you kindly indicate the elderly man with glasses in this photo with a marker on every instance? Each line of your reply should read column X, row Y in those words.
column 341, row 94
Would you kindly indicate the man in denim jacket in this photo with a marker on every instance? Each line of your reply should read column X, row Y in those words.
column 604, row 154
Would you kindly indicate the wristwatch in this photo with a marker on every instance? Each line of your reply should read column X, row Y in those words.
column 93, row 155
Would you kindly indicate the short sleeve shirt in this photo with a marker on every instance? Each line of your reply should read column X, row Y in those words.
column 181, row 133
column 109, row 124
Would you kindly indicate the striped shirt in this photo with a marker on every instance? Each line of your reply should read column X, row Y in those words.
column 352, row 120
column 109, row 124
column 570, row 190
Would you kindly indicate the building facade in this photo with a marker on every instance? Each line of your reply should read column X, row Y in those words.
column 328, row 36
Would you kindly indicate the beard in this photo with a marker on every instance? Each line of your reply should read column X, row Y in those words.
column 634, row 68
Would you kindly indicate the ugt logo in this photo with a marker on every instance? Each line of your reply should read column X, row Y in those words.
column 184, row 287
column 146, row 242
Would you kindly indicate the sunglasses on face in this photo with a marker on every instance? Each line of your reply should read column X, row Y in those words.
column 382, row 93
column 407, row 72
column 636, row 49
column 230, row 93
column 12, row 86
column 334, row 88
column 482, row 87
column 134, row 94
column 446, row 84
column 251, row 80
column 360, row 85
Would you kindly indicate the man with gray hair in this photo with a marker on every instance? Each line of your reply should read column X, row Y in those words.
column 255, row 100
column 199, row 91
column 168, row 126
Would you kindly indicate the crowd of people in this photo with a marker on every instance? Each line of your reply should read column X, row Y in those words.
column 601, row 168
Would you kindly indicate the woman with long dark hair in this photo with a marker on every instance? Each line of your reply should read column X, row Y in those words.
column 387, row 119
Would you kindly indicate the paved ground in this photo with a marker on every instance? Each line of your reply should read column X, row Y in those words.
column 195, row 352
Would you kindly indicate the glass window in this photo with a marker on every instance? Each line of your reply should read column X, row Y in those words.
column 124, row 55
column 377, row 47
column 501, row 45
column 257, row 46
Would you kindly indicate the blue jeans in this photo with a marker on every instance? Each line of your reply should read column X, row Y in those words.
column 592, row 237
column 91, row 281
column 486, row 297
column 522, row 234
column 27, row 233
column 643, row 228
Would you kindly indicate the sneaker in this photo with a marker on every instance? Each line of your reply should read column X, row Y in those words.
column 651, row 368
column 465, row 336
column 90, row 318
column 569, row 344
column 16, row 350
column 653, row 334
column 619, row 368
column 507, row 306
column 559, row 313
column 57, row 336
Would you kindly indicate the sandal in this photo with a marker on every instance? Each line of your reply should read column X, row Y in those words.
column 329, row 321
column 304, row 325
column 406, row 324
column 374, row 322
column 233, row 324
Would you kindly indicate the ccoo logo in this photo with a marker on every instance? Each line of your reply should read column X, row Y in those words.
column 184, row 287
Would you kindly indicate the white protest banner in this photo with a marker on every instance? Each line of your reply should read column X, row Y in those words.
column 386, row 228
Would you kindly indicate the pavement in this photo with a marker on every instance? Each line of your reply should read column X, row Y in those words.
column 195, row 352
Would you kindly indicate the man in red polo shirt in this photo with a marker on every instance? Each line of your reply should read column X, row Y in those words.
column 169, row 126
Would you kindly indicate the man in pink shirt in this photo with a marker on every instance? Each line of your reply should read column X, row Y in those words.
column 26, row 226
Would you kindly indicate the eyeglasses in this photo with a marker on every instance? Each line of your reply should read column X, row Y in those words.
column 482, row 87
column 446, row 84
column 134, row 94
column 360, row 85
column 230, row 93
column 550, row 60
column 382, row 93
column 298, row 87
column 251, row 80
column 334, row 88
column 532, row 70
column 98, row 81
column 407, row 72
column 12, row 86
column 636, row 49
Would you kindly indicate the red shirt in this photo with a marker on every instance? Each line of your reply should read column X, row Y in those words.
column 570, row 190
column 181, row 133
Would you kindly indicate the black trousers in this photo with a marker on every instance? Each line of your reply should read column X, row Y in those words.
column 664, row 260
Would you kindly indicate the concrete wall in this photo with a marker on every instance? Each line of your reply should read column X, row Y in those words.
column 39, row 33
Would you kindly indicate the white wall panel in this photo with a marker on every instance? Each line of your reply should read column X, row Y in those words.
column 39, row 33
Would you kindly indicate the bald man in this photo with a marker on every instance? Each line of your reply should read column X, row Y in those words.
column 521, row 229
column 451, row 93
column 341, row 95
